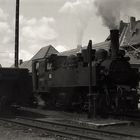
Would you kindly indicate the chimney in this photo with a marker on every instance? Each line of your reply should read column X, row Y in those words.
column 20, row 61
column 79, row 47
column 114, row 36
column 132, row 23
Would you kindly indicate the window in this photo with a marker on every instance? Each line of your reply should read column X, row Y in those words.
column 50, row 76
column 37, row 66
column 49, row 66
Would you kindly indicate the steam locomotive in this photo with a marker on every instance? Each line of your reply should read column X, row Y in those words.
column 63, row 82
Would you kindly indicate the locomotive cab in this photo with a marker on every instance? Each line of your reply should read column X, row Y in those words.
column 43, row 71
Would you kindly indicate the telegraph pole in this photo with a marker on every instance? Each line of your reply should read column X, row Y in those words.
column 17, row 33
column 92, row 94
column 90, row 108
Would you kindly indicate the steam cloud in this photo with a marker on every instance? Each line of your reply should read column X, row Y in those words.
column 112, row 10
column 82, row 10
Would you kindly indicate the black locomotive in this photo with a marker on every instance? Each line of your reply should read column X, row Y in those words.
column 64, row 81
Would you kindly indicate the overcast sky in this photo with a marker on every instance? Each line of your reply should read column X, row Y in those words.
column 62, row 23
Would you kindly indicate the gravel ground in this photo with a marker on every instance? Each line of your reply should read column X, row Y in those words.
column 75, row 118
column 9, row 131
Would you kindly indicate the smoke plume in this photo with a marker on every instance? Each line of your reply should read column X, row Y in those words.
column 82, row 11
column 112, row 10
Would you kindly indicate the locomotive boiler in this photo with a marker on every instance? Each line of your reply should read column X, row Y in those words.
column 63, row 81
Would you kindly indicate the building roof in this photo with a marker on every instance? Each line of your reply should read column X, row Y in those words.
column 131, row 36
column 102, row 45
column 27, row 64
column 42, row 53
column 130, row 40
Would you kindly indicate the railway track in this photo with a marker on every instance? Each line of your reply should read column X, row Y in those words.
column 71, row 131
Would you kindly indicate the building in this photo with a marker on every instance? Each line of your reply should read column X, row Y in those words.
column 129, row 40
column 42, row 53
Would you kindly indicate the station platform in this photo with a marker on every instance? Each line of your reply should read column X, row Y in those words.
column 73, row 118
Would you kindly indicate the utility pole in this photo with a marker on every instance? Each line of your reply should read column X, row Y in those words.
column 92, row 94
column 17, row 33
column 90, row 108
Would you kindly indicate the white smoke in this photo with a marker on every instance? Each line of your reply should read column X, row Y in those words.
column 112, row 10
column 82, row 10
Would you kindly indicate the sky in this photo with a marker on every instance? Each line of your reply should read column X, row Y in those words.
column 61, row 23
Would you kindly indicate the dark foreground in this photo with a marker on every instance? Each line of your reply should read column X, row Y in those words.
column 12, row 131
column 9, row 131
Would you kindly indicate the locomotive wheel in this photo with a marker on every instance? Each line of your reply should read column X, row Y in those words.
column 119, row 101
column 33, row 101
column 46, row 98
column 64, row 101
column 69, row 100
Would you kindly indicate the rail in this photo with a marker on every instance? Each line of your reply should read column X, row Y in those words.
column 69, row 130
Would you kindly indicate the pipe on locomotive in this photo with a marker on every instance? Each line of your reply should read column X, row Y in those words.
column 114, row 36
